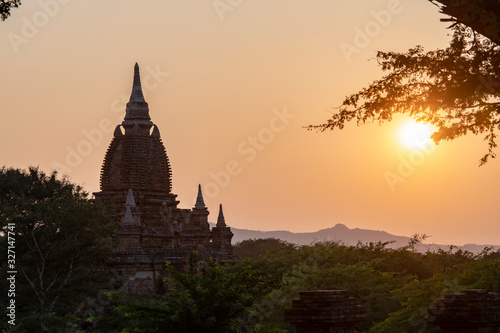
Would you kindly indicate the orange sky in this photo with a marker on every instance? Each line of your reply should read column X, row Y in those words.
column 230, row 84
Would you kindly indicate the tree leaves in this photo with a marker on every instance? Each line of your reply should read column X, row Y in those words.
column 456, row 89
column 6, row 5
column 62, row 240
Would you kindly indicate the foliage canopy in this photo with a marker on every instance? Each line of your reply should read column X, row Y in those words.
column 61, row 242
column 456, row 89
column 396, row 287
column 5, row 7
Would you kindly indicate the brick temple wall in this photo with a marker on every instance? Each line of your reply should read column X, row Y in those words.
column 325, row 311
column 470, row 311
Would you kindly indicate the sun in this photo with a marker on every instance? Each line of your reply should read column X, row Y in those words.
column 415, row 135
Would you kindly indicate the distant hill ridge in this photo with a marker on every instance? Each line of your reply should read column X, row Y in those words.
column 343, row 234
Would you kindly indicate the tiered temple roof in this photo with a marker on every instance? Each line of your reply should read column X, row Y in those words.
column 136, row 189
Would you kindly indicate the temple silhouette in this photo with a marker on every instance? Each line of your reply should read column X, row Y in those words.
column 136, row 190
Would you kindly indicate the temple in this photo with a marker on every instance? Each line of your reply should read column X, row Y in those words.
column 136, row 190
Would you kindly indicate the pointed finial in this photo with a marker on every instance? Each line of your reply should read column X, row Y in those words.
column 130, row 199
column 200, row 204
column 221, row 222
column 137, row 110
column 137, row 95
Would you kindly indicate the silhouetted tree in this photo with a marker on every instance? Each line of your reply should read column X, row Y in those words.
column 457, row 89
column 6, row 5
column 251, row 248
column 60, row 239
column 482, row 16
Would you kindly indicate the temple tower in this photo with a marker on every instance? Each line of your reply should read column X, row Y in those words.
column 136, row 190
column 221, row 238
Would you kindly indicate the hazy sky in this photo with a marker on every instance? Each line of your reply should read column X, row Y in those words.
column 230, row 84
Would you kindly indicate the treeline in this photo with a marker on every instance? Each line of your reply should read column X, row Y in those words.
column 57, row 241
column 396, row 286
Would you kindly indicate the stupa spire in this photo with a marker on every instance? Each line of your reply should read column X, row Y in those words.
column 137, row 95
column 200, row 204
column 137, row 111
column 221, row 222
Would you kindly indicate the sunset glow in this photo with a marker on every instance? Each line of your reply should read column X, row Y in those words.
column 231, row 88
column 415, row 134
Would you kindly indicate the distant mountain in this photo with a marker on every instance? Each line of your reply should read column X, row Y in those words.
column 344, row 235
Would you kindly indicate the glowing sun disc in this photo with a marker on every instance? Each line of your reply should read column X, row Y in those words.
column 415, row 135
